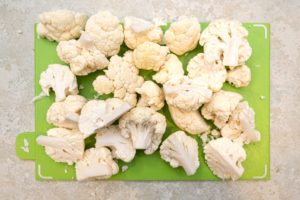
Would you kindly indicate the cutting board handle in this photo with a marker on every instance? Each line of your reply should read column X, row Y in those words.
column 25, row 145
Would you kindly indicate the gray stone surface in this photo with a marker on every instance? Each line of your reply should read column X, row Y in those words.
column 17, row 114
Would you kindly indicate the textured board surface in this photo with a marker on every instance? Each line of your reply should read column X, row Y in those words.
column 257, row 164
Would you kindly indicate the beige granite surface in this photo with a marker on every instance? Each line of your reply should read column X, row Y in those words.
column 17, row 114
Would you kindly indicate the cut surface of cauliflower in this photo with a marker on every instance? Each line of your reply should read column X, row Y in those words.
column 150, row 56
column 239, row 76
column 183, row 35
column 151, row 96
column 97, row 163
column 97, row 114
column 241, row 125
column 111, row 137
column 213, row 73
column 138, row 31
column 145, row 127
column 189, row 121
column 82, row 55
column 66, row 113
column 181, row 150
column 225, row 158
column 185, row 93
column 171, row 68
column 60, row 79
column 220, row 107
column 106, row 31
column 63, row 145
column 226, row 40
column 121, row 78
column 61, row 25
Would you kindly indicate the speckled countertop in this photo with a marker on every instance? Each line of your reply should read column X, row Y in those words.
column 17, row 113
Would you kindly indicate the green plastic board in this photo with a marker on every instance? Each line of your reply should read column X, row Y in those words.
column 151, row 167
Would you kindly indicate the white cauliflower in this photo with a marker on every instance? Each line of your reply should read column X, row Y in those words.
column 150, row 56
column 187, row 94
column 122, row 79
column 220, row 107
column 151, row 96
column 171, row 68
column 224, row 158
column 145, row 127
column 82, row 55
column 121, row 147
column 181, row 150
column 97, row 163
column 226, row 40
column 138, row 31
column 63, row 145
column 241, row 125
column 66, row 113
column 213, row 73
column 61, row 25
column 106, row 31
column 239, row 76
column 183, row 35
column 97, row 114
column 189, row 121
column 60, row 79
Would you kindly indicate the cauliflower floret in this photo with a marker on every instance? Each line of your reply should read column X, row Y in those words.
column 122, row 73
column 171, row 68
column 183, row 35
column 121, row 147
column 63, row 145
column 189, row 121
column 150, row 56
column 61, row 25
column 181, row 150
column 151, row 96
column 239, row 76
column 60, row 79
column 145, row 127
column 241, row 125
column 220, row 107
column 97, row 114
column 106, row 31
column 82, row 55
column 187, row 94
column 213, row 73
column 138, row 31
column 226, row 40
column 66, row 113
column 224, row 158
column 96, row 163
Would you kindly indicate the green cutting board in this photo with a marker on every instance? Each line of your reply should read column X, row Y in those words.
column 151, row 167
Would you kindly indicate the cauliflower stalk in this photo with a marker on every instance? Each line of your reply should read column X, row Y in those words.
column 60, row 79
column 226, row 40
column 183, row 35
column 82, row 55
column 106, row 31
column 187, row 94
column 213, row 73
column 151, row 96
column 66, row 113
column 145, row 127
column 121, row 147
column 63, row 145
column 97, row 163
column 138, row 31
column 181, row 150
column 224, row 158
column 239, row 76
column 61, row 25
column 97, row 114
